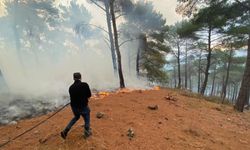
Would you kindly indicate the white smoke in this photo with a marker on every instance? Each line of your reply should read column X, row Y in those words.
column 36, row 79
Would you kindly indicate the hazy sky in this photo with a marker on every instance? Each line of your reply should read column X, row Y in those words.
column 1, row 8
column 166, row 7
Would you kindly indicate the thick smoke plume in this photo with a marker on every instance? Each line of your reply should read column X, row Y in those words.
column 41, row 46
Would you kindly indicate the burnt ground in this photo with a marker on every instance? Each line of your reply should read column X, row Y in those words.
column 178, row 122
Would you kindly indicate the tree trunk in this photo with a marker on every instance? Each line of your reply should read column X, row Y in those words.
column 142, row 47
column 222, row 83
column 217, row 89
column 186, row 74
column 190, row 82
column 199, row 73
column 122, row 83
column 171, row 82
column 204, row 85
column 179, row 65
column 228, row 92
column 245, row 83
column 224, row 89
column 138, row 62
column 111, row 39
column 234, row 92
column 175, row 82
column 212, row 90
column 247, row 99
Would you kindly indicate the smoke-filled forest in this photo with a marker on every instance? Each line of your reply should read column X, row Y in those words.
column 206, row 52
column 43, row 42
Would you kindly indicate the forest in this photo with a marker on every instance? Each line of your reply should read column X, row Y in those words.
column 43, row 42
column 188, row 80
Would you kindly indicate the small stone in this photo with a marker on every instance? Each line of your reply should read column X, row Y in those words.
column 130, row 133
column 243, row 141
column 42, row 141
column 99, row 115
column 18, row 127
column 167, row 138
column 155, row 107
column 218, row 109
column 159, row 122
column 166, row 118
column 170, row 98
column 139, row 91
column 13, row 123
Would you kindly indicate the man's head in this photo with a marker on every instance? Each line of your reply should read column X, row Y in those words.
column 77, row 76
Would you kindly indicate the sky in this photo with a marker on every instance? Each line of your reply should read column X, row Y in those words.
column 1, row 8
column 165, row 7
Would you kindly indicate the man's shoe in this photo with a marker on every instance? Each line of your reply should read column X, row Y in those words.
column 87, row 133
column 63, row 134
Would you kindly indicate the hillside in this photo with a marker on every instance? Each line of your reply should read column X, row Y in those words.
column 180, row 122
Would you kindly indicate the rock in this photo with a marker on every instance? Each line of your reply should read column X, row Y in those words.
column 130, row 133
column 247, row 107
column 170, row 98
column 91, row 148
column 155, row 107
column 13, row 123
column 243, row 141
column 192, row 132
column 167, row 138
column 18, row 127
column 99, row 115
column 218, row 109
column 42, row 141
column 139, row 91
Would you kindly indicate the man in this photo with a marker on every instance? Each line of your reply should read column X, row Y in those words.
column 79, row 94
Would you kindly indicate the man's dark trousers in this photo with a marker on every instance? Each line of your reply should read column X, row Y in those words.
column 77, row 111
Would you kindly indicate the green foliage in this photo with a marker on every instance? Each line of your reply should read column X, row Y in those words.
column 154, row 60
column 148, row 27
column 214, row 15
column 153, row 65
column 238, row 19
column 186, row 29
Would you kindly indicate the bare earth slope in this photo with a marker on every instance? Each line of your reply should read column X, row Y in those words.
column 182, row 123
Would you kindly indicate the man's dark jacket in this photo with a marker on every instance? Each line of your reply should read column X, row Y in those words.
column 79, row 93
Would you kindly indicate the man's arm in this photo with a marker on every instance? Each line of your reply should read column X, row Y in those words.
column 88, row 91
column 70, row 92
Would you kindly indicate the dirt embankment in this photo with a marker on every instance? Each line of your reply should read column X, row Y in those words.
column 177, row 122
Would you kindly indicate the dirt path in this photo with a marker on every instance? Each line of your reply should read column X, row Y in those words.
column 180, row 123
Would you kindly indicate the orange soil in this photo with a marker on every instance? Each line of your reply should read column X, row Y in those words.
column 187, row 123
